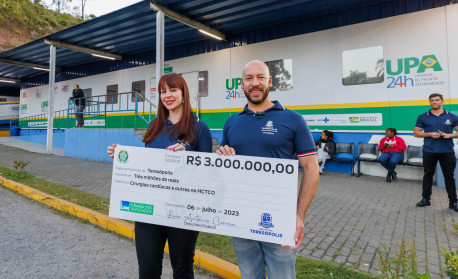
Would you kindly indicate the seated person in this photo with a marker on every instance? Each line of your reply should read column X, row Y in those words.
column 326, row 148
column 393, row 148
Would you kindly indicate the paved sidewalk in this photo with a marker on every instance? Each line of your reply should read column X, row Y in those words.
column 30, row 146
column 37, row 243
column 90, row 176
column 351, row 216
column 347, row 220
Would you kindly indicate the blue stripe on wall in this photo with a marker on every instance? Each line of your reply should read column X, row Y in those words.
column 92, row 144
column 39, row 136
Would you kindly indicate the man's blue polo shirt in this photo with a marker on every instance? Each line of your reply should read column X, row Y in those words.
column 276, row 133
column 431, row 123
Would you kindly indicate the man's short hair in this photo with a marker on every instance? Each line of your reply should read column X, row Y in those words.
column 77, row 86
column 436, row 95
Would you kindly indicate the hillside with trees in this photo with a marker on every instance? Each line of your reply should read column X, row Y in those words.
column 22, row 21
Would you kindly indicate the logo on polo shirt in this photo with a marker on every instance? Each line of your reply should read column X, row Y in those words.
column 269, row 129
column 447, row 122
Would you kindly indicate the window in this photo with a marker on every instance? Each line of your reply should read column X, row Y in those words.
column 38, row 94
column 281, row 72
column 363, row 66
column 138, row 87
column 87, row 92
column 65, row 88
column 112, row 92
column 203, row 84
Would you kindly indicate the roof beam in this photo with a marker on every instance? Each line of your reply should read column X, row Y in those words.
column 28, row 65
column 186, row 20
column 94, row 52
column 9, row 80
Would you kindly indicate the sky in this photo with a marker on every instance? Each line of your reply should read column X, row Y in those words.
column 98, row 7
column 101, row 7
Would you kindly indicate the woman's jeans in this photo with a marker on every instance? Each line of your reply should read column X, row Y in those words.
column 390, row 159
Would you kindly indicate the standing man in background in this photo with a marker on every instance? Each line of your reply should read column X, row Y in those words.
column 266, row 129
column 80, row 104
column 437, row 125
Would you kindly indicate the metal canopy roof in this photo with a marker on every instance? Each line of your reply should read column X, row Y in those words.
column 130, row 31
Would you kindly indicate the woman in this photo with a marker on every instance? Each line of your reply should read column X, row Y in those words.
column 326, row 148
column 393, row 148
column 175, row 128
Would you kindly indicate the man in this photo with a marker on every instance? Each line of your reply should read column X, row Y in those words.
column 286, row 135
column 80, row 104
column 437, row 125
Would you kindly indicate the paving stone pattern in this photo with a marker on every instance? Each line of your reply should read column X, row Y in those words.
column 348, row 219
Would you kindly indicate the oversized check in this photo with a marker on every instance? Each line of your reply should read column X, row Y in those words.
column 241, row 196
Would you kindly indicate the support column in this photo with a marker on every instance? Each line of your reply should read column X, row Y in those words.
column 159, row 53
column 52, row 77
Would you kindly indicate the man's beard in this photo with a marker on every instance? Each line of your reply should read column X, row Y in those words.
column 265, row 94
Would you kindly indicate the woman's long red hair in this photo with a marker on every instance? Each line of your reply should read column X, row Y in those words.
column 183, row 130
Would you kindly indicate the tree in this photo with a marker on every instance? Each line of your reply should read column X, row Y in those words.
column 281, row 77
column 76, row 11
column 61, row 4
column 355, row 77
column 379, row 68
column 83, row 3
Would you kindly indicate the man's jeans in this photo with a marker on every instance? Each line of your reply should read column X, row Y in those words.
column 254, row 256
column 448, row 164
column 390, row 159
column 79, row 115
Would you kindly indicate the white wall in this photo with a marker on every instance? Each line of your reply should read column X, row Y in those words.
column 452, row 32
column 317, row 63
column 9, row 98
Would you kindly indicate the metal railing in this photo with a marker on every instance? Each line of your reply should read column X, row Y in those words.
column 149, row 107
column 41, row 120
column 96, row 107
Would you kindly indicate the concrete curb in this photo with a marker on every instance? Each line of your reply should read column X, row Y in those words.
column 201, row 259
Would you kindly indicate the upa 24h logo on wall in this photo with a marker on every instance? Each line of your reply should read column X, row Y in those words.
column 412, row 71
column 234, row 89
column 23, row 109
column 44, row 106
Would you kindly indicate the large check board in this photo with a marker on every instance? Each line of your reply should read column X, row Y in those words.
column 241, row 196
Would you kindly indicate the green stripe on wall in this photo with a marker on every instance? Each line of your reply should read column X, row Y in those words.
column 399, row 117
